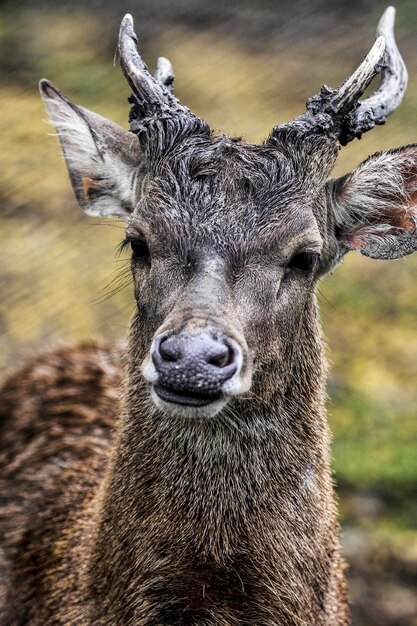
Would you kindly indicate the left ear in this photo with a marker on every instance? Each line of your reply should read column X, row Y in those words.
column 375, row 206
column 104, row 161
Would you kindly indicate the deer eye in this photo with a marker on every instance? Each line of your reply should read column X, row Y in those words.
column 303, row 262
column 139, row 248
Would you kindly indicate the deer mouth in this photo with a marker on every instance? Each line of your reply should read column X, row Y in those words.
column 192, row 399
column 194, row 373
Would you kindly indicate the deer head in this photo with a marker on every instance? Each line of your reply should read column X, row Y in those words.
column 229, row 239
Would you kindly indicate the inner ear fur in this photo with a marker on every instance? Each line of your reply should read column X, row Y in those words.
column 104, row 161
column 375, row 206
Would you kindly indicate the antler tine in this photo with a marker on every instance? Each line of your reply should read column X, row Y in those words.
column 151, row 95
column 153, row 101
column 376, row 108
column 338, row 113
column 352, row 89
column 134, row 69
column 164, row 73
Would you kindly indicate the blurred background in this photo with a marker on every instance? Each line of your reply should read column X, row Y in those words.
column 243, row 66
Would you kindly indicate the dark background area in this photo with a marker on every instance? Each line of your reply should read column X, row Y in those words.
column 243, row 66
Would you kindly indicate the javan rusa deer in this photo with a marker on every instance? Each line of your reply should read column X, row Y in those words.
column 200, row 494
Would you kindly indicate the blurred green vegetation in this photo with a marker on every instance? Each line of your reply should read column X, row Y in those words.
column 243, row 67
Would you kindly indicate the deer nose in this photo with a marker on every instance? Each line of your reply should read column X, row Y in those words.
column 193, row 367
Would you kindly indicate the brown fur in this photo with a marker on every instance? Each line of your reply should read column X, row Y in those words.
column 57, row 420
column 59, row 467
column 120, row 509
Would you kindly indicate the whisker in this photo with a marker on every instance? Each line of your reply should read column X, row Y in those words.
column 116, row 50
column 120, row 272
column 111, row 224
column 122, row 261
column 326, row 299
column 119, row 282
column 109, row 295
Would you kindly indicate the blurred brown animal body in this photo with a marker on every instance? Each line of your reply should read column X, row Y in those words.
column 198, row 490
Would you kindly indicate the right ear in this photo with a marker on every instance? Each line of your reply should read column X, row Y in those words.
column 104, row 161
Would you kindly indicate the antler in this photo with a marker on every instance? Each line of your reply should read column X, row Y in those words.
column 152, row 97
column 164, row 73
column 376, row 108
column 339, row 112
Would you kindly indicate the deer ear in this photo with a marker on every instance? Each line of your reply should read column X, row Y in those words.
column 375, row 206
column 104, row 161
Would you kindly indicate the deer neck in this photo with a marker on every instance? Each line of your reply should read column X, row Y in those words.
column 234, row 507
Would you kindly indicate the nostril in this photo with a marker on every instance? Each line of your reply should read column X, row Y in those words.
column 223, row 358
column 196, row 362
column 169, row 350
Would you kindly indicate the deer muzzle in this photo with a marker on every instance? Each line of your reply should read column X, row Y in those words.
column 194, row 372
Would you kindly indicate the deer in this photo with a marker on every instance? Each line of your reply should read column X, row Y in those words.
column 185, row 479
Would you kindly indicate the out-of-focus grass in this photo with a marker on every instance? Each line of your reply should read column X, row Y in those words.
column 55, row 263
column 370, row 323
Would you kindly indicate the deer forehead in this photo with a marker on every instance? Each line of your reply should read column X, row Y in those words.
column 230, row 195
column 237, row 232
